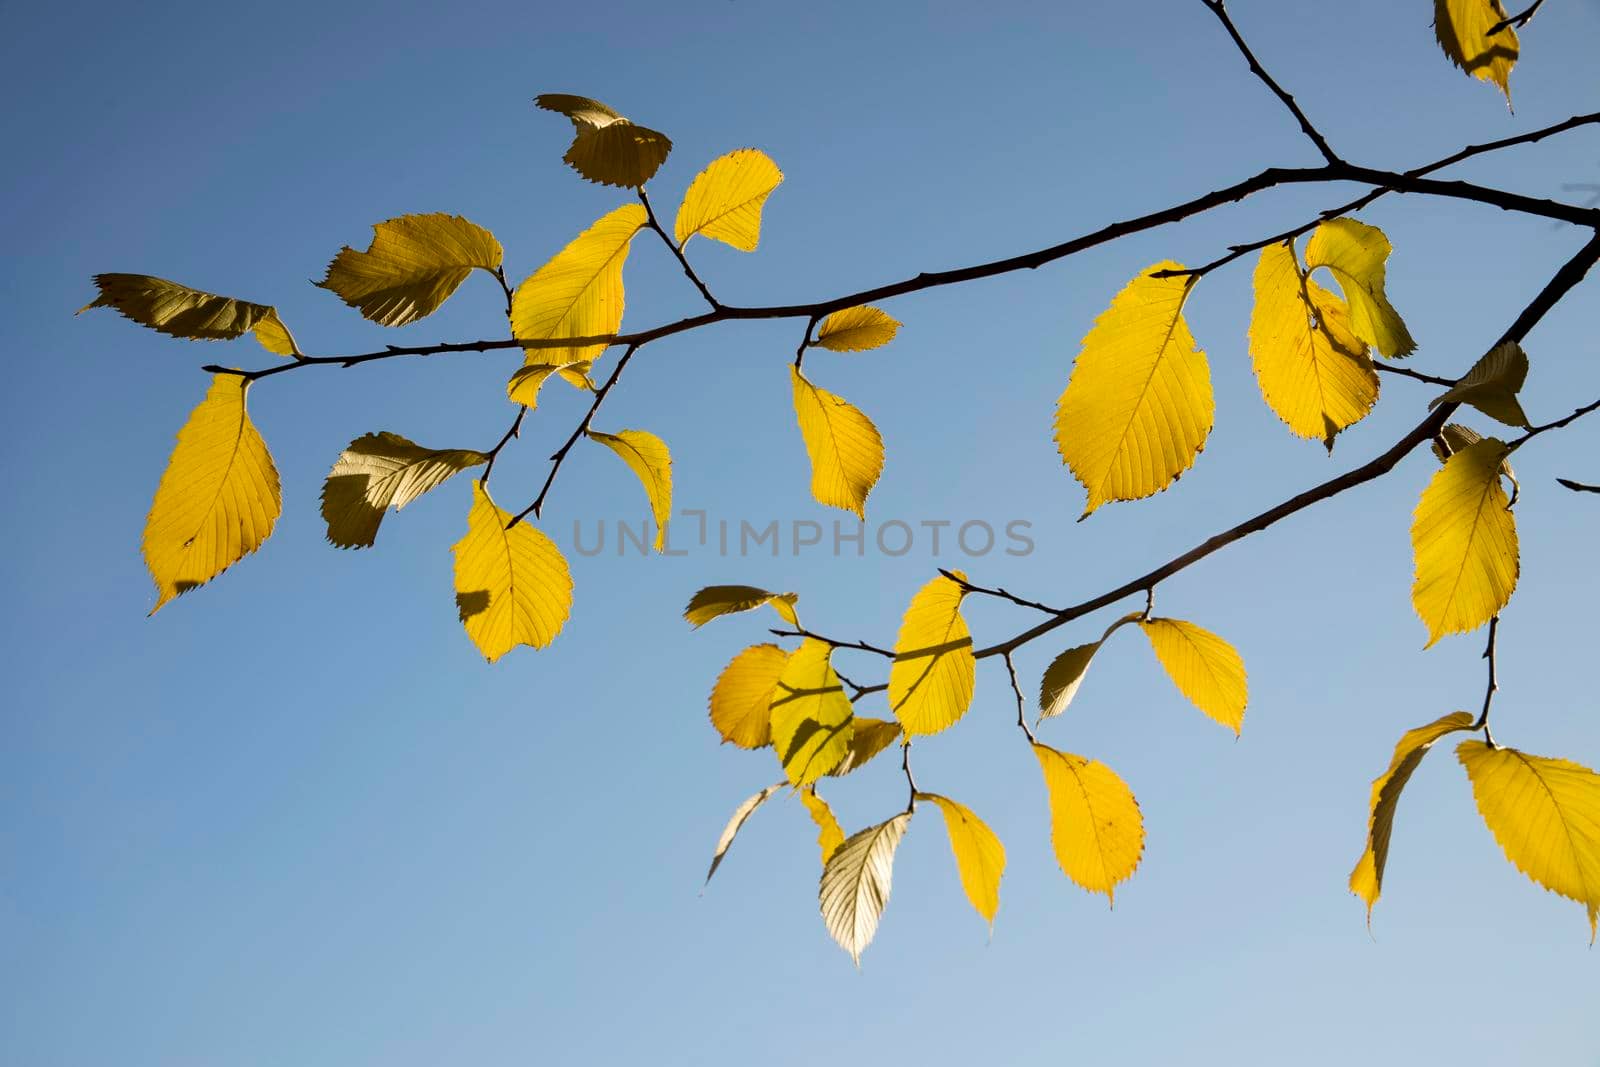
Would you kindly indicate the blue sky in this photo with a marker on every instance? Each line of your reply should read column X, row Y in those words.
column 294, row 818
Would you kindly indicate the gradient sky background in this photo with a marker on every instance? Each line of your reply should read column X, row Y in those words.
column 295, row 819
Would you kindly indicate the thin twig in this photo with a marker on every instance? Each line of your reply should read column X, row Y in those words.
column 1578, row 487
column 1022, row 704
column 1517, row 21
column 905, row 765
column 1216, row 7
column 1407, row 372
column 1001, row 594
column 861, row 646
column 676, row 249
column 1493, row 684
column 494, row 453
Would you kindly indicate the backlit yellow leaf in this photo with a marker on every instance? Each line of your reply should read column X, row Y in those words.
column 740, row 814
column 811, row 717
column 871, row 736
column 1138, row 407
column 414, row 264
column 715, row 601
column 381, row 471
column 741, row 701
column 179, row 311
column 1355, row 254
column 1462, row 28
column 218, row 498
column 933, row 673
column 1095, row 825
column 1492, row 385
column 845, row 449
column 724, row 201
column 1203, row 666
column 1314, row 372
column 1464, row 539
column 856, row 329
column 829, row 834
column 647, row 456
column 606, row 147
column 579, row 292
column 1064, row 677
column 1546, row 815
column 525, row 383
column 856, row 881
column 512, row 586
column 980, row 857
column 1366, row 881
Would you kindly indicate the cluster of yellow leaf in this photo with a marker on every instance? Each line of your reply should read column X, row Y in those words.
column 1462, row 28
column 1545, row 813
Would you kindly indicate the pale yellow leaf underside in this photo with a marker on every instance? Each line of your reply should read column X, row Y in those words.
column 980, row 857
column 1356, row 254
column 740, row 814
column 218, row 498
column 829, row 834
column 179, row 311
column 724, row 201
column 812, row 719
column 1065, row 675
column 1546, row 815
column 1205, row 668
column 1464, row 540
column 715, row 601
column 933, row 673
column 1366, row 880
column 845, row 449
column 647, row 456
column 512, row 586
column 741, row 701
column 379, row 471
column 526, row 382
column 578, row 293
column 857, row 329
column 1462, row 30
column 1492, row 385
column 607, row 148
column 855, row 884
column 1095, row 824
column 1314, row 372
column 1138, row 406
column 414, row 264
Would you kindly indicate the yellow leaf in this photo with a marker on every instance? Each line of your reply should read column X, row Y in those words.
column 933, row 673
column 856, row 329
column 647, row 456
column 715, row 601
column 845, row 449
column 218, row 498
column 724, row 201
column 811, row 717
column 512, row 586
column 740, row 814
column 1314, row 372
column 741, row 701
column 1064, row 677
column 179, row 311
column 1366, row 881
column 381, row 471
column 1095, row 825
column 1203, row 666
column 1138, row 407
column 606, row 147
column 1462, row 28
column 524, row 386
column 1492, row 385
column 871, row 736
column 414, row 264
column 829, row 835
column 856, row 881
column 1546, row 815
column 980, row 857
column 1355, row 254
column 1464, row 539
column 579, row 292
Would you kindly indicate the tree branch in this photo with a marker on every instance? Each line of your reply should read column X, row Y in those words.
column 1312, row 134
column 1517, row 21
column 677, row 251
